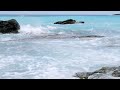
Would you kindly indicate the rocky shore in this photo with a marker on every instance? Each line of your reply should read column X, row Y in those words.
column 103, row 73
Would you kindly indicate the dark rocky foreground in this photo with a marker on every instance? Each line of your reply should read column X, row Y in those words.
column 69, row 21
column 10, row 26
column 103, row 73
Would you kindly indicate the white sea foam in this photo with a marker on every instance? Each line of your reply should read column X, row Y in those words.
column 28, row 29
column 58, row 57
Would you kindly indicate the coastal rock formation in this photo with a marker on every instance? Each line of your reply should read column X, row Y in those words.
column 10, row 26
column 92, row 36
column 103, row 73
column 69, row 21
column 116, row 14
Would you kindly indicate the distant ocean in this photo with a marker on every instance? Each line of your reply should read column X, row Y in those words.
column 43, row 50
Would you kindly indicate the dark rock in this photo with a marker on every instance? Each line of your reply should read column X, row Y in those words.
column 83, row 75
column 116, row 73
column 81, row 22
column 116, row 14
column 10, row 26
column 92, row 36
column 69, row 21
column 88, row 37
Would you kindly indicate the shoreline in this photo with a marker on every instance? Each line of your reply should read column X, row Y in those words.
column 102, row 73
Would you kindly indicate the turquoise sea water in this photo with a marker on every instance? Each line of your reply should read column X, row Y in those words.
column 42, row 49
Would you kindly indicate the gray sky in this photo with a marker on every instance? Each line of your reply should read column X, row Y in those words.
column 60, row 12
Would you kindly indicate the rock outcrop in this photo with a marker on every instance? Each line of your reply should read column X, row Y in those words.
column 69, row 21
column 10, row 26
column 103, row 73
column 116, row 14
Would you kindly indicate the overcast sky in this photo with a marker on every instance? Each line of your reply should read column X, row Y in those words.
column 60, row 12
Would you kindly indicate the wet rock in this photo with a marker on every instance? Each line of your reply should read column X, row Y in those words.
column 105, row 70
column 10, row 26
column 83, row 75
column 92, row 36
column 69, row 21
column 99, row 76
column 116, row 73
column 103, row 73
column 81, row 22
column 116, row 14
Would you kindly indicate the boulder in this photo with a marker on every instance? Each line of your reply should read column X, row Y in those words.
column 10, row 26
column 69, row 21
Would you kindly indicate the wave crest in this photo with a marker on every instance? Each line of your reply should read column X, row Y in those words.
column 36, row 30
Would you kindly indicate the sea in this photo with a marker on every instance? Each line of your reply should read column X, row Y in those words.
column 44, row 50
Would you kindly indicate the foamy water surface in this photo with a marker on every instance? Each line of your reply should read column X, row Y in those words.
column 43, row 50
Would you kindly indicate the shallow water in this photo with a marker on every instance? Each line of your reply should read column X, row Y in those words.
column 42, row 49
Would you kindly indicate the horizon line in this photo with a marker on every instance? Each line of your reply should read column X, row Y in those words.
column 58, row 14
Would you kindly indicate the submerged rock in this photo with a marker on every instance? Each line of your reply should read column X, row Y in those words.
column 69, row 21
column 92, row 36
column 83, row 75
column 103, row 73
column 10, row 26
